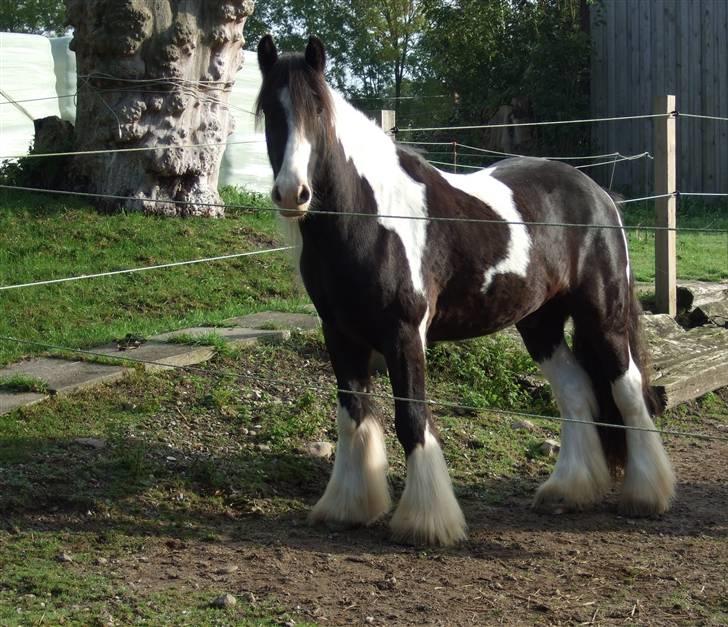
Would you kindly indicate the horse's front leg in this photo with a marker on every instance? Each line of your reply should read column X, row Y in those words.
column 428, row 512
column 358, row 491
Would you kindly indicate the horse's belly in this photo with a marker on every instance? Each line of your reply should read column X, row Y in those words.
column 461, row 315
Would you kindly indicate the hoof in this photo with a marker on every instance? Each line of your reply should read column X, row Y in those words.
column 358, row 491
column 560, row 496
column 428, row 512
column 649, row 482
column 647, row 498
column 337, row 508
column 426, row 528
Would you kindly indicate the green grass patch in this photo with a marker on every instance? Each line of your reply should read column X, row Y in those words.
column 44, row 237
column 700, row 256
column 19, row 383
column 202, row 459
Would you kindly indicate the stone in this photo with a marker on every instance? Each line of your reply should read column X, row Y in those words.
column 324, row 450
column 64, row 558
column 522, row 425
column 62, row 376
column 164, row 354
column 229, row 569
column 225, row 601
column 235, row 336
column 10, row 402
column 101, row 561
column 276, row 320
column 550, row 447
column 95, row 443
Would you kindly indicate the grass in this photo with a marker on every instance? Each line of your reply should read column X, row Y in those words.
column 42, row 237
column 19, row 383
column 193, row 458
column 700, row 256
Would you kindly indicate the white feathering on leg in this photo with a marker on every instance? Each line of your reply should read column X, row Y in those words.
column 428, row 512
column 358, row 491
column 649, row 481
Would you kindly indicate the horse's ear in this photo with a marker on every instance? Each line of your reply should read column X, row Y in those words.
column 316, row 54
column 267, row 54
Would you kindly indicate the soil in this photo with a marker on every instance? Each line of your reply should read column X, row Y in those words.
column 518, row 567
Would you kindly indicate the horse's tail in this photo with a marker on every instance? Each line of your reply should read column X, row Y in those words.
column 614, row 441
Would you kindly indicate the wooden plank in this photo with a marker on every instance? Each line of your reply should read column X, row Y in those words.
column 708, row 128
column 694, row 378
column 685, row 364
column 636, row 127
column 645, row 85
column 611, row 127
column 683, row 93
column 710, row 313
column 695, row 164
column 665, row 208
column 598, row 65
column 721, row 103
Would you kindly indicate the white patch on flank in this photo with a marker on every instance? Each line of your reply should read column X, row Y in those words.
column 428, row 512
column 374, row 156
column 649, row 482
column 294, row 169
column 357, row 491
column 499, row 197
column 581, row 474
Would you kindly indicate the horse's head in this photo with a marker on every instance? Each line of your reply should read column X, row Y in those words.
column 296, row 103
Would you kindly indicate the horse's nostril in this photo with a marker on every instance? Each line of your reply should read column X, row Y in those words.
column 276, row 194
column 304, row 195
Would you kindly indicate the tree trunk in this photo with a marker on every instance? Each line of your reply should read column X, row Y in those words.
column 155, row 73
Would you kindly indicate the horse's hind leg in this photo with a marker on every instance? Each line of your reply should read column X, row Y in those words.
column 358, row 491
column 649, row 482
column 608, row 343
column 428, row 512
column 581, row 475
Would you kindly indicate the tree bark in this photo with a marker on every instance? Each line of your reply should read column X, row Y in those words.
column 155, row 74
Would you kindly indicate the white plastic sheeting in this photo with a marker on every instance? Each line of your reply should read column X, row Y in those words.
column 246, row 164
column 26, row 74
column 36, row 67
column 64, row 65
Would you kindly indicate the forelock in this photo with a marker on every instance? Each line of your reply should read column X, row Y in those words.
column 310, row 96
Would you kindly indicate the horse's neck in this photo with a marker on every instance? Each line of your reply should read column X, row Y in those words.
column 371, row 153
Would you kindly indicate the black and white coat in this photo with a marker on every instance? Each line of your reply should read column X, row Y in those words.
column 409, row 268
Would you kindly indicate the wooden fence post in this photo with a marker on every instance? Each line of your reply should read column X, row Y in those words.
column 665, row 208
column 388, row 121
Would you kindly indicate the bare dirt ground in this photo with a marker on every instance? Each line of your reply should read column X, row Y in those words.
column 518, row 567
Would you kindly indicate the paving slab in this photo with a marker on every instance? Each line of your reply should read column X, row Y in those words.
column 276, row 320
column 63, row 376
column 9, row 401
column 170, row 355
column 236, row 336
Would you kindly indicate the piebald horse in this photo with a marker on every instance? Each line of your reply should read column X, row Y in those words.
column 391, row 263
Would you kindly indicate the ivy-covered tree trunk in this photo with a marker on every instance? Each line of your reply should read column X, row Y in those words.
column 155, row 74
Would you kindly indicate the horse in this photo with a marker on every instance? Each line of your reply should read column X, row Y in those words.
column 396, row 254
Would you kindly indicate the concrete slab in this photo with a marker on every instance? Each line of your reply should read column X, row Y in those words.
column 236, row 336
column 161, row 352
column 276, row 320
column 9, row 402
column 62, row 376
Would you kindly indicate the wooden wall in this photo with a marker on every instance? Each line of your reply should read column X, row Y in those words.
column 644, row 48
